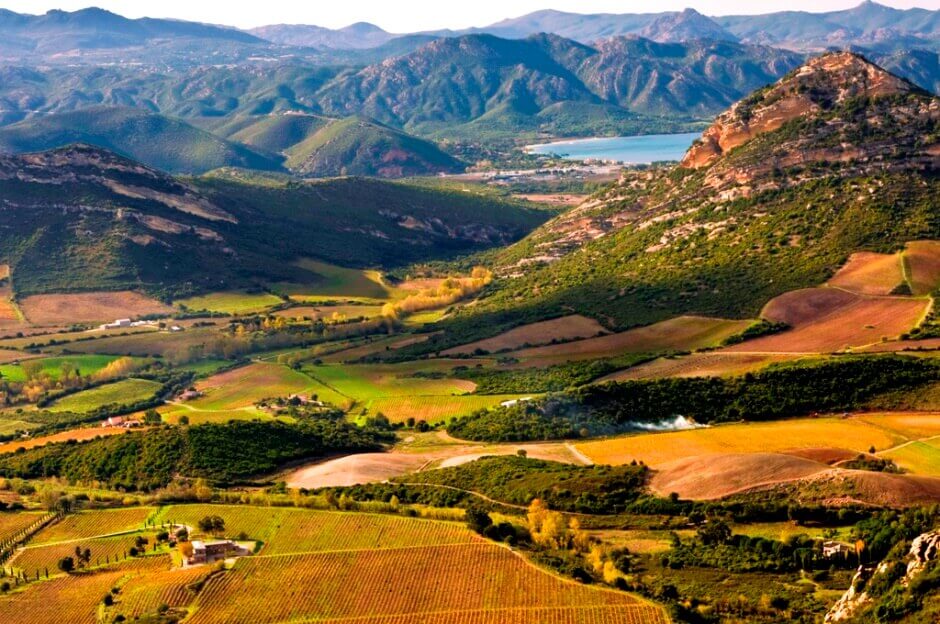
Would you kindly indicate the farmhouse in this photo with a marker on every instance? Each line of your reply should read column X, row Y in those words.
column 832, row 549
column 512, row 402
column 116, row 324
column 207, row 552
column 113, row 421
column 189, row 395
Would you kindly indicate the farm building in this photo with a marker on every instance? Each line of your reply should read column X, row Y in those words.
column 512, row 402
column 116, row 324
column 189, row 395
column 832, row 549
column 207, row 552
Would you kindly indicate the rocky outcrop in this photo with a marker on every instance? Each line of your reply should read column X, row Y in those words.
column 924, row 549
column 821, row 84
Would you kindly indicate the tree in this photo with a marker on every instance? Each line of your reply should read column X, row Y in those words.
column 212, row 524
column 478, row 519
column 184, row 420
column 714, row 532
column 67, row 564
column 152, row 417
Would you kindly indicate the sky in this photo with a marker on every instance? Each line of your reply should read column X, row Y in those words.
column 415, row 15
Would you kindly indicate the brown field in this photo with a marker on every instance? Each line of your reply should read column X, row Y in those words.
column 828, row 320
column 685, row 333
column 869, row 273
column 408, row 585
column 378, row 467
column 543, row 332
column 8, row 356
column 79, row 435
column 657, row 449
column 72, row 599
column 872, row 488
column 553, row 199
column 709, row 364
column 829, row 456
column 928, row 344
column 798, row 308
column 89, row 307
column 923, row 262
column 146, row 343
column 706, row 477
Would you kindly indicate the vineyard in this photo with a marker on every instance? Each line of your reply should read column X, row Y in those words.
column 145, row 593
column 408, row 583
column 34, row 560
column 85, row 525
column 72, row 599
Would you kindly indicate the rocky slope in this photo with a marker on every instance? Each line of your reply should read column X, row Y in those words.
column 844, row 158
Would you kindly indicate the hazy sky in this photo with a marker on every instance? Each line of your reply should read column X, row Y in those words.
column 413, row 15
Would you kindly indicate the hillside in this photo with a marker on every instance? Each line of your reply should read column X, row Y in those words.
column 82, row 218
column 356, row 146
column 837, row 157
column 274, row 133
column 154, row 140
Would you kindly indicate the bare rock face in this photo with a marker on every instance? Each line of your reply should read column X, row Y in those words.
column 822, row 83
column 924, row 549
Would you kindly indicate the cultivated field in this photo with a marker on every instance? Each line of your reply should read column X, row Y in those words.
column 122, row 392
column 13, row 523
column 89, row 307
column 685, row 333
column 243, row 387
column 707, row 364
column 434, row 409
column 917, row 457
column 147, row 343
column 61, row 599
column 89, row 524
column 232, row 302
column 52, row 366
column 104, row 551
column 829, row 320
column 147, row 593
column 541, row 333
column 717, row 476
column 922, row 259
column 330, row 313
column 79, row 435
column 869, row 273
column 657, row 449
column 414, row 584
column 336, row 283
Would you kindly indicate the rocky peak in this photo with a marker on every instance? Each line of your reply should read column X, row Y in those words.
column 823, row 83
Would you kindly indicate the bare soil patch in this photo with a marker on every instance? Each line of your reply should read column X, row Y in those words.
column 92, row 307
column 710, row 364
column 79, row 435
column 923, row 263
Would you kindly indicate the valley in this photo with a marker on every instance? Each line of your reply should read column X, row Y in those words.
column 312, row 325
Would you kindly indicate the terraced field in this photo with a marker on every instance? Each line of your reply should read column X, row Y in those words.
column 122, row 392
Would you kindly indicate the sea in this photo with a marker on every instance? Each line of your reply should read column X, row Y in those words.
column 633, row 150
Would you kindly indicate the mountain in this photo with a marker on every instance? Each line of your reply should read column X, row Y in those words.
column 685, row 26
column 155, row 140
column 357, row 36
column 356, row 146
column 477, row 78
column 277, row 132
column 869, row 24
column 59, row 32
column 839, row 156
column 83, row 218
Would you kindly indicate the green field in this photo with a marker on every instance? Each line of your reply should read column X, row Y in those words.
column 86, row 364
column 243, row 387
column 918, row 457
column 231, row 302
column 121, row 392
column 433, row 409
column 337, row 283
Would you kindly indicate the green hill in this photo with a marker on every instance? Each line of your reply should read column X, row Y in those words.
column 155, row 140
column 279, row 132
column 837, row 157
column 355, row 146
column 130, row 226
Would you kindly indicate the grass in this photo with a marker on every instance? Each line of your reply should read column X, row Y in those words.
column 917, row 457
column 243, row 387
column 433, row 409
column 86, row 365
column 122, row 392
column 337, row 283
column 232, row 302
column 657, row 449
